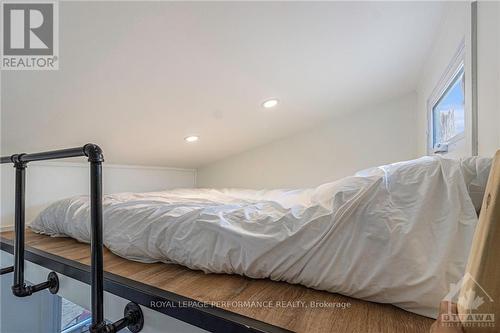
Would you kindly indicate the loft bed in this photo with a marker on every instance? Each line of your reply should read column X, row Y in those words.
column 160, row 282
column 145, row 283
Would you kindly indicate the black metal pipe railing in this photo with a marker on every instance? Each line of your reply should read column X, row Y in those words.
column 133, row 318
column 19, row 287
column 19, row 225
column 6, row 270
column 96, row 241
column 47, row 155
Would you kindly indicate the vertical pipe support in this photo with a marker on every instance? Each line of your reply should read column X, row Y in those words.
column 19, row 287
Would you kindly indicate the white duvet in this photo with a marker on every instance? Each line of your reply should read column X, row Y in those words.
column 396, row 234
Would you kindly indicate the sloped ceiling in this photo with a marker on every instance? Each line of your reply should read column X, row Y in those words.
column 137, row 78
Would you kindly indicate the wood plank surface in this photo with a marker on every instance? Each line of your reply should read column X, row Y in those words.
column 360, row 316
column 483, row 268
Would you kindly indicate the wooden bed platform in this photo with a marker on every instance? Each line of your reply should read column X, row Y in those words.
column 482, row 277
column 361, row 316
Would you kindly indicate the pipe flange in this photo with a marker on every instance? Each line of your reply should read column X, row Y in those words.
column 54, row 282
column 134, row 312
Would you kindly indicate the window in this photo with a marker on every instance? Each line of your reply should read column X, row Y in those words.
column 448, row 113
column 448, row 109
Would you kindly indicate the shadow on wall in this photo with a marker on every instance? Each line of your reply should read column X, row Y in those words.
column 369, row 137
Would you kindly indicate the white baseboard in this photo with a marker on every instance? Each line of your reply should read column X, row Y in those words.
column 7, row 228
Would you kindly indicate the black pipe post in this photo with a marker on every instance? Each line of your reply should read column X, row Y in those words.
column 19, row 287
column 95, row 156
column 19, row 227
column 96, row 242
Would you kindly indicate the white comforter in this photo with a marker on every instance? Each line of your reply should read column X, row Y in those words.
column 396, row 234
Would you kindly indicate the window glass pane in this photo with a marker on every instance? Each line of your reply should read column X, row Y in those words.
column 448, row 113
column 74, row 318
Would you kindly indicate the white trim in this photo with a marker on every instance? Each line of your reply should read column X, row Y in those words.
column 456, row 138
column 110, row 166
column 449, row 74
column 474, row 91
column 118, row 166
column 194, row 172
column 195, row 178
column 5, row 228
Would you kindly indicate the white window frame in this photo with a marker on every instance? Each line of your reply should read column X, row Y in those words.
column 457, row 64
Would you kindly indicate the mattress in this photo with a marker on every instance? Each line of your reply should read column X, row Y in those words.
column 398, row 233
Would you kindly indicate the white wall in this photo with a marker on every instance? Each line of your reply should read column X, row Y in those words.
column 455, row 28
column 34, row 314
column 455, row 25
column 47, row 182
column 137, row 77
column 488, row 77
column 339, row 147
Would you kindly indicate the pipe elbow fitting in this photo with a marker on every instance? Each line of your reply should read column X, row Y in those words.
column 93, row 152
column 21, row 290
column 18, row 163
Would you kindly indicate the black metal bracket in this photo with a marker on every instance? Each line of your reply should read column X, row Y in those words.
column 133, row 317
column 52, row 284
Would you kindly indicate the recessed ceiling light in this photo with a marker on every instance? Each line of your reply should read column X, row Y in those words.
column 191, row 138
column 270, row 103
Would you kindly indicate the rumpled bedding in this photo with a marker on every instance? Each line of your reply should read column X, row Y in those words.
column 399, row 233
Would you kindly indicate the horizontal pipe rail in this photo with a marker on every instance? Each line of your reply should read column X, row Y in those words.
column 6, row 270
column 133, row 318
column 43, row 156
column 5, row 159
